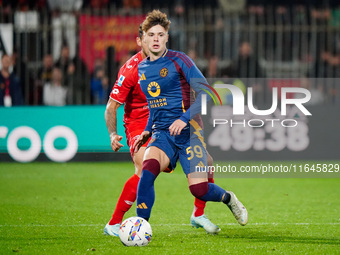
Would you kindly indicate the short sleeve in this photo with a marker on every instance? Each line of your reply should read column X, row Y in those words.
column 125, row 81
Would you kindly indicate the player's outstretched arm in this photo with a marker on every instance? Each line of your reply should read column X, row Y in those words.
column 143, row 138
column 111, row 124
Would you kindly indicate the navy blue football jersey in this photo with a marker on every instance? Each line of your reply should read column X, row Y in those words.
column 168, row 85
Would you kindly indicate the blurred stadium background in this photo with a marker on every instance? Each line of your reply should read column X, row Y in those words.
column 285, row 43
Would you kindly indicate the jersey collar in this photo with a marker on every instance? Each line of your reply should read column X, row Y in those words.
column 166, row 51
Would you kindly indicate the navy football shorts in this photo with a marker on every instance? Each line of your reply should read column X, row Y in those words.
column 188, row 148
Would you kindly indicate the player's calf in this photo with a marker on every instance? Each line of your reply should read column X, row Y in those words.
column 209, row 192
column 146, row 191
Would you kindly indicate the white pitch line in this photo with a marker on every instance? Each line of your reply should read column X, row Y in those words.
column 174, row 224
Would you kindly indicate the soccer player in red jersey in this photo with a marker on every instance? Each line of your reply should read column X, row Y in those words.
column 127, row 90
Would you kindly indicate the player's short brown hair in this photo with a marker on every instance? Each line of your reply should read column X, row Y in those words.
column 156, row 17
column 140, row 31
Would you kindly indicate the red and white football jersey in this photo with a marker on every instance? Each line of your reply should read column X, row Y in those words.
column 127, row 90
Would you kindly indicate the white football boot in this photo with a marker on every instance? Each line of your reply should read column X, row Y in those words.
column 238, row 209
column 203, row 222
column 111, row 230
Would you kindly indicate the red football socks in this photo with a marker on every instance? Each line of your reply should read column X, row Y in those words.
column 199, row 204
column 126, row 200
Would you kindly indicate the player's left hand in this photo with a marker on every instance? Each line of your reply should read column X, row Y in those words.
column 176, row 127
column 143, row 138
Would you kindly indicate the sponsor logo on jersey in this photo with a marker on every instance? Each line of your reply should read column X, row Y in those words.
column 120, row 80
column 115, row 91
column 129, row 66
column 159, row 102
column 154, row 89
column 163, row 72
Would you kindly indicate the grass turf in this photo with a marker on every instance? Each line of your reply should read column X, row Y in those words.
column 50, row 208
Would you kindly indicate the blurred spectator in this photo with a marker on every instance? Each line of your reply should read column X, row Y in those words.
column 19, row 67
column 26, row 81
column 54, row 92
column 65, row 63
column 130, row 5
column 284, row 41
column 6, row 10
column 44, row 76
column 25, row 5
column 229, row 26
column 10, row 87
column 45, row 72
column 213, row 67
column 202, row 63
column 27, row 31
column 323, row 39
column 64, row 24
column 247, row 69
column 99, row 86
column 178, row 38
column 335, row 19
column 192, row 54
column 301, row 38
column 75, row 76
column 257, row 16
column 328, row 66
column 96, row 5
column 246, row 65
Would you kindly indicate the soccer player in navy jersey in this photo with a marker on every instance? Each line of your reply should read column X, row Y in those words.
column 167, row 78
column 128, row 92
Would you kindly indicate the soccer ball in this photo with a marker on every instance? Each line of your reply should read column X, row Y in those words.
column 135, row 231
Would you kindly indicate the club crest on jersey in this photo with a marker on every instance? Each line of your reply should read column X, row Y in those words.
column 163, row 72
column 120, row 80
column 154, row 89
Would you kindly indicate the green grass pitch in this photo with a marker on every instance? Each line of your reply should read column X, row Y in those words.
column 51, row 208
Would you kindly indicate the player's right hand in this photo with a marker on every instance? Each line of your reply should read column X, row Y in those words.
column 115, row 142
column 143, row 138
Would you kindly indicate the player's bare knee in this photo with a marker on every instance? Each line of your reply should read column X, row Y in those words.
column 159, row 155
column 197, row 177
column 138, row 168
column 138, row 161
